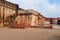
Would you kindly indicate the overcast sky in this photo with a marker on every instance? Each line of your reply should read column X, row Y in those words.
column 48, row 8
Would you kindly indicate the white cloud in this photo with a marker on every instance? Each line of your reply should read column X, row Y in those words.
column 43, row 6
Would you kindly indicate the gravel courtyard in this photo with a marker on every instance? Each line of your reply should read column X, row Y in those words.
column 29, row 34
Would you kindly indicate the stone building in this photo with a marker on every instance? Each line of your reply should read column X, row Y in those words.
column 12, row 15
column 7, row 9
column 56, row 21
column 29, row 18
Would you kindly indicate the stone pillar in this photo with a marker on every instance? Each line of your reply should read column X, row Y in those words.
column 36, row 20
column 24, row 21
column 33, row 20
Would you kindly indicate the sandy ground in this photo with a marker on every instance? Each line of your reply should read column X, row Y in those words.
column 29, row 34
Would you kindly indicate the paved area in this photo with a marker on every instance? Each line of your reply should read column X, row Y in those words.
column 28, row 34
column 56, row 26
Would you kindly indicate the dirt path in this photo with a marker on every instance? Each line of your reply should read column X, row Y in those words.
column 28, row 34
